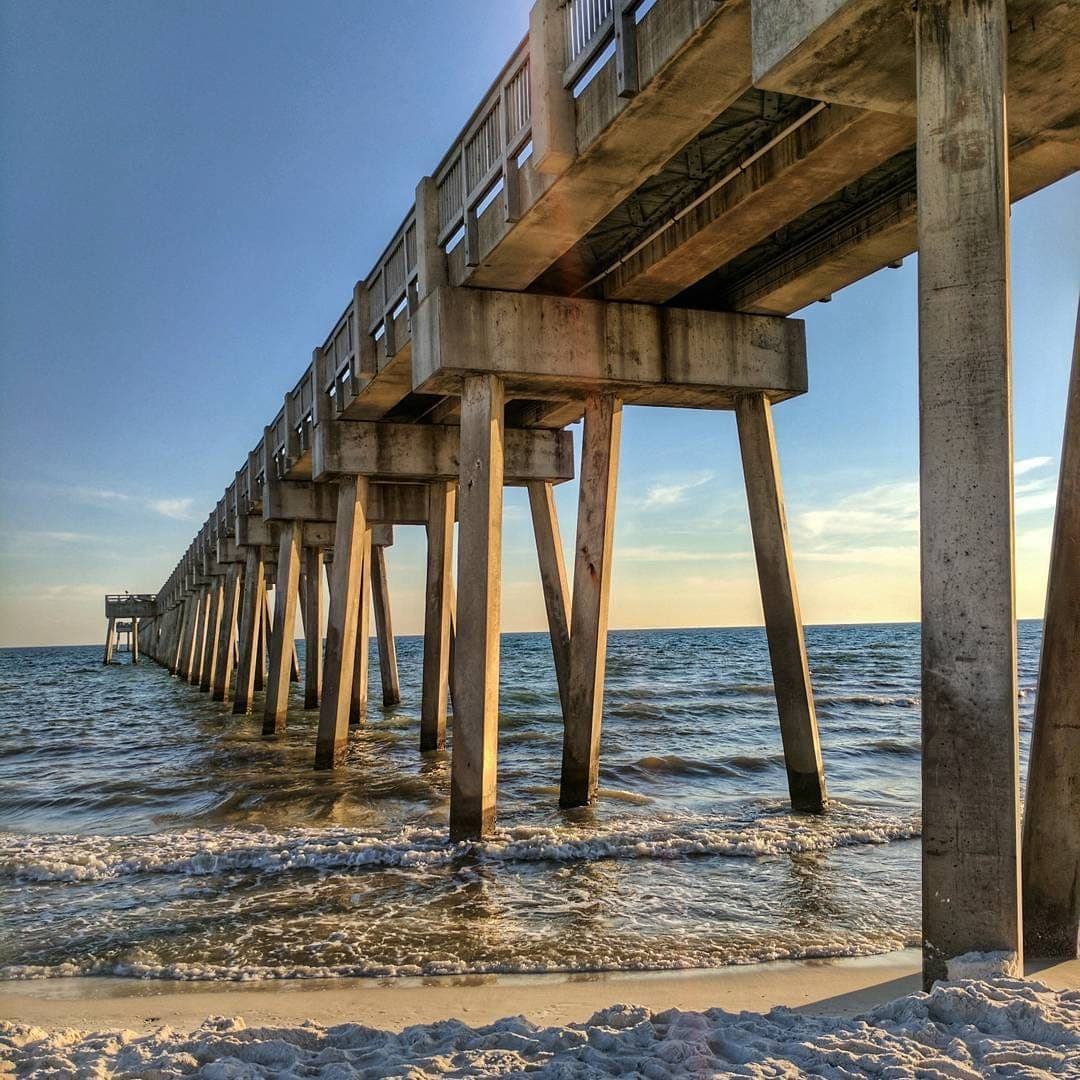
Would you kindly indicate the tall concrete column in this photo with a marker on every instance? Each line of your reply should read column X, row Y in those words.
column 134, row 641
column 313, row 618
column 359, row 699
column 549, row 552
column 223, row 670
column 344, row 612
column 110, row 634
column 187, row 641
column 213, row 635
column 262, row 655
column 282, row 640
column 589, row 611
column 384, row 629
column 476, row 652
column 971, row 866
column 201, row 625
column 1051, row 850
column 780, row 603
column 250, row 629
column 442, row 500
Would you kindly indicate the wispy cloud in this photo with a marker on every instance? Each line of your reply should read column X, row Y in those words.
column 659, row 554
column 99, row 496
column 1026, row 465
column 884, row 510
column 671, row 494
column 179, row 509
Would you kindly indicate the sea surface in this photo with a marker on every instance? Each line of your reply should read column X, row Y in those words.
column 146, row 831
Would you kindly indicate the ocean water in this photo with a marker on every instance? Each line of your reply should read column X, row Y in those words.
column 146, row 831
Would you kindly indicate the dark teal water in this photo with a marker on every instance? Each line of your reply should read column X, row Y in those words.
column 144, row 830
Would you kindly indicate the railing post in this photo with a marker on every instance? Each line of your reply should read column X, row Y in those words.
column 430, row 257
column 626, row 65
column 554, row 115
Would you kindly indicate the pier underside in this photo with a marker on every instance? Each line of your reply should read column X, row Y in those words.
column 637, row 228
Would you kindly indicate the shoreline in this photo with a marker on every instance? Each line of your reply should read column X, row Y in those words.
column 843, row 987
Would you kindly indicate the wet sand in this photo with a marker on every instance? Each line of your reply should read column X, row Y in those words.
column 837, row 987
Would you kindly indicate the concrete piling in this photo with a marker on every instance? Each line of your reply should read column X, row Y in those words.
column 1051, row 847
column 476, row 653
column 438, row 593
column 282, row 638
column 780, row 603
column 971, row 866
column 384, row 629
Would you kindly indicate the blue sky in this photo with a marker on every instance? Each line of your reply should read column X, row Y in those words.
column 187, row 194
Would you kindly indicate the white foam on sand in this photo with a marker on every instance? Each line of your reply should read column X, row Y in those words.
column 1001, row 1027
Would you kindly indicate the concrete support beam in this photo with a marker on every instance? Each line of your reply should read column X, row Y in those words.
column 589, row 611
column 313, row 618
column 223, row 671
column 359, row 699
column 250, row 629
column 341, row 626
column 265, row 623
column 780, row 603
column 282, row 643
column 110, row 634
column 1051, row 850
column 476, row 654
column 549, row 552
column 562, row 348
column 423, row 452
column 438, row 600
column 384, row 629
column 134, row 640
column 971, row 866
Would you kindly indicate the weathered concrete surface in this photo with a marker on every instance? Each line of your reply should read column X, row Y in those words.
column 476, row 653
column 832, row 148
column 438, row 600
column 340, row 651
column 250, row 626
column 780, row 603
column 546, row 346
column 422, row 452
column 282, row 645
column 384, row 627
column 1051, row 849
column 549, row 553
column 703, row 49
column 589, row 610
column 971, row 866
column 312, row 616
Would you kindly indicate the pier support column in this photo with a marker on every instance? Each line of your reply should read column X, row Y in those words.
column 476, row 652
column 223, row 670
column 110, row 634
column 549, row 552
column 1051, row 849
column 250, row 629
column 438, row 593
column 187, row 636
column 384, row 629
column 313, row 617
column 359, row 698
column 134, row 641
column 971, row 867
column 263, row 653
column 213, row 635
column 344, row 612
column 780, row 603
column 589, row 611
column 282, row 643
column 199, row 646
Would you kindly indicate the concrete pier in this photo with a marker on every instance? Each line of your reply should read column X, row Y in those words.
column 629, row 217
column 1051, row 848
column 971, row 804
column 313, row 620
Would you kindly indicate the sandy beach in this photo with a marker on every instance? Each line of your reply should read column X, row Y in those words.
column 835, row 987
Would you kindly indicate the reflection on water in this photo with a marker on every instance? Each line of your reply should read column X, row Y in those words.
column 150, row 832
